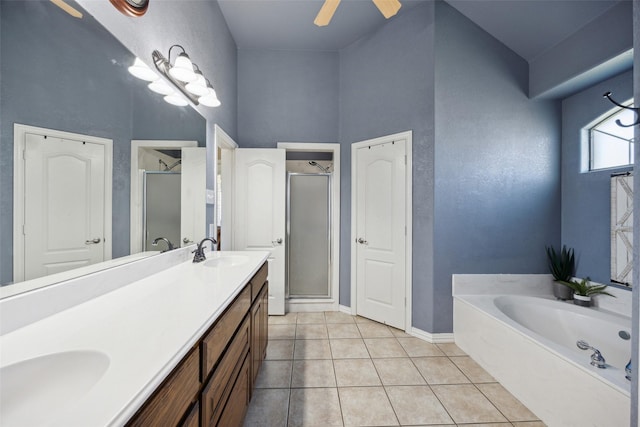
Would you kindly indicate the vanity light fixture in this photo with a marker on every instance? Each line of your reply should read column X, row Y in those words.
column 186, row 77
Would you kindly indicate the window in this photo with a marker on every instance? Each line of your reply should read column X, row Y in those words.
column 610, row 145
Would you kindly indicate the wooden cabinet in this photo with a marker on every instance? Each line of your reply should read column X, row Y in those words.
column 212, row 385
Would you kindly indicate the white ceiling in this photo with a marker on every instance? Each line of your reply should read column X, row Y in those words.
column 528, row 27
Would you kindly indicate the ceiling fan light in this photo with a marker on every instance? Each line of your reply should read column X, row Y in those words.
column 140, row 70
column 161, row 87
column 210, row 99
column 176, row 99
column 198, row 87
column 183, row 69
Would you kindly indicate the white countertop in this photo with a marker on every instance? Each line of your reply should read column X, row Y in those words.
column 144, row 328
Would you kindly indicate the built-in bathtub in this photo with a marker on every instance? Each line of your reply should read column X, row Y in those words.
column 528, row 343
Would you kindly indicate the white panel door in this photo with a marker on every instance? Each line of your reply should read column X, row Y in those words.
column 64, row 205
column 380, row 232
column 193, row 194
column 259, row 214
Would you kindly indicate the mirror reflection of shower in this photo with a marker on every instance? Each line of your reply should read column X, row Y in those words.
column 308, row 259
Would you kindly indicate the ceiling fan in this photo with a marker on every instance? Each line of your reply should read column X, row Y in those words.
column 388, row 8
column 67, row 8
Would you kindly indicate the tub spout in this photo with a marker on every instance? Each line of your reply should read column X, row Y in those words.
column 597, row 359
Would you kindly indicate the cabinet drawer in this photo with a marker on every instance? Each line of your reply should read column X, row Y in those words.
column 193, row 419
column 217, row 338
column 258, row 280
column 217, row 390
column 172, row 399
column 238, row 403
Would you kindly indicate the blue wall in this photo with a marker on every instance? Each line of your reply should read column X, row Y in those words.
column 497, row 163
column 76, row 82
column 287, row 96
column 387, row 86
column 586, row 206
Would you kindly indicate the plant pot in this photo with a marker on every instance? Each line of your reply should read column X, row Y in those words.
column 562, row 291
column 581, row 300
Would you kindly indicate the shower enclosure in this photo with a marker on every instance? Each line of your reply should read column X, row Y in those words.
column 308, row 235
column 161, row 208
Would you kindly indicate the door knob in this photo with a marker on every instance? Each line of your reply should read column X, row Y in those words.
column 186, row 241
column 92, row 241
column 362, row 241
column 277, row 242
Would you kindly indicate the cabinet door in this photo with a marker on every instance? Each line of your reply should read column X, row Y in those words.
column 236, row 409
column 257, row 319
column 264, row 335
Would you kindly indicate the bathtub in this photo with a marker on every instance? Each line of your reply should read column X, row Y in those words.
column 528, row 343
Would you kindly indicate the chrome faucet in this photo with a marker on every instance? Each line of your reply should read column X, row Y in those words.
column 169, row 244
column 199, row 253
column 596, row 358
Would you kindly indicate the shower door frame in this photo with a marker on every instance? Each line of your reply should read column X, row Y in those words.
column 329, row 235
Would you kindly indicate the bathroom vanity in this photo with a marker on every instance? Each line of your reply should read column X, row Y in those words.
column 182, row 346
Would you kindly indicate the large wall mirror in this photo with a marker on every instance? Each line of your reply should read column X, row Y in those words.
column 70, row 75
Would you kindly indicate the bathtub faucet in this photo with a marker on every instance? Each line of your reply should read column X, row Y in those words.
column 596, row 358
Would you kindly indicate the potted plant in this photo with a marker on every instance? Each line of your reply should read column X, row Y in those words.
column 583, row 290
column 562, row 266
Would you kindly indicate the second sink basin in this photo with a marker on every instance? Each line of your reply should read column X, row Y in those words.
column 225, row 260
column 33, row 391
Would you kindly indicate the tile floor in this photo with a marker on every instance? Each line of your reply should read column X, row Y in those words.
column 332, row 369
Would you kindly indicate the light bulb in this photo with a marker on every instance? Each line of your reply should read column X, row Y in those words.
column 183, row 69
column 140, row 70
column 161, row 87
column 176, row 99
column 198, row 87
column 210, row 99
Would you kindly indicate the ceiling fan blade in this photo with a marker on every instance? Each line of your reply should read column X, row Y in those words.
column 388, row 7
column 67, row 8
column 326, row 12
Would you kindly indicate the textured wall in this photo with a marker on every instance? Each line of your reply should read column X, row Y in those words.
column 497, row 163
column 586, row 206
column 75, row 82
column 287, row 96
column 386, row 86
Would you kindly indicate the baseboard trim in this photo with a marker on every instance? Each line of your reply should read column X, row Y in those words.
column 441, row 338
column 302, row 305
column 344, row 309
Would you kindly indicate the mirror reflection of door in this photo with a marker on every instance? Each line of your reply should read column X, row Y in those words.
column 66, row 199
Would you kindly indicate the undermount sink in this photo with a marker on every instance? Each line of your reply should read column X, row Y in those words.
column 226, row 260
column 34, row 390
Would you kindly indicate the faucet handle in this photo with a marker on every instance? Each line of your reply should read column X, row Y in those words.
column 597, row 359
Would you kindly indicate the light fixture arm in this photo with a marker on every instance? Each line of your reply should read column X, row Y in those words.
column 634, row 109
column 175, row 45
column 163, row 65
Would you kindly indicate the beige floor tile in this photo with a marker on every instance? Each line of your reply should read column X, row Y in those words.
column 487, row 425
column 274, row 374
column 348, row 349
column 280, row 350
column 384, row 347
column 338, row 317
column 313, row 373
column 311, row 332
column 366, row 406
column 268, row 407
column 510, row 407
column 314, row 407
column 360, row 320
column 356, row 372
column 529, row 424
column 343, row 330
column 472, row 370
column 282, row 332
column 398, row 371
column 415, row 347
column 451, row 349
column 415, row 405
column 312, row 349
column 465, row 404
column 439, row 370
column 311, row 318
column 287, row 319
column 398, row 333
column 374, row 330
